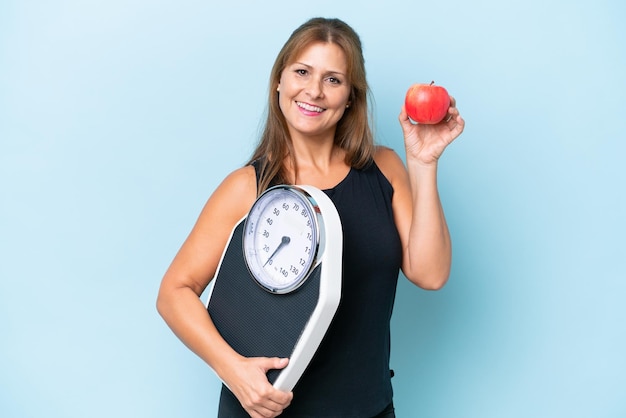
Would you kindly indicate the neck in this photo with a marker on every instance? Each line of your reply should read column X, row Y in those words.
column 318, row 164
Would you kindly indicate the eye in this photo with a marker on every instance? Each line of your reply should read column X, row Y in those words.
column 301, row 71
column 334, row 80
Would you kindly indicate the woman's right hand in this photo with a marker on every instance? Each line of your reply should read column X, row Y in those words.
column 248, row 382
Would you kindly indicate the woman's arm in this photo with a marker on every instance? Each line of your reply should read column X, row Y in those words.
column 419, row 216
column 191, row 271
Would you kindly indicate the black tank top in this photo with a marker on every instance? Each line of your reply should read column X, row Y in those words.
column 349, row 375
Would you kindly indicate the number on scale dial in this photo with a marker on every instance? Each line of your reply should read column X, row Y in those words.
column 281, row 238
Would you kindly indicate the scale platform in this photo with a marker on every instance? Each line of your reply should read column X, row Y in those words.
column 259, row 323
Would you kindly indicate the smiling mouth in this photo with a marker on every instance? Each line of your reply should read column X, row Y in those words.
column 309, row 107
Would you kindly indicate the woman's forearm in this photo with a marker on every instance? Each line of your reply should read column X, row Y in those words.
column 186, row 315
column 429, row 251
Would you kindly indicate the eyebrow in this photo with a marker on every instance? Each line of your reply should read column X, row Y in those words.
column 327, row 72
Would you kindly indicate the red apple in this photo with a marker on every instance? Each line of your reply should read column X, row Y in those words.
column 427, row 103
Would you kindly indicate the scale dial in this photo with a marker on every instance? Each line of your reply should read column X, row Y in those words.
column 282, row 238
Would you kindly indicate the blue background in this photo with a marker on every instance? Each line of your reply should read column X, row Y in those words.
column 118, row 118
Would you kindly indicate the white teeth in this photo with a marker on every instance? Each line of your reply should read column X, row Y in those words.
column 309, row 107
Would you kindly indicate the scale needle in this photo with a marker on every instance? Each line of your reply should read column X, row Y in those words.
column 284, row 241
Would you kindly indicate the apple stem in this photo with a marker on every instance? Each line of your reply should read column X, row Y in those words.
column 432, row 82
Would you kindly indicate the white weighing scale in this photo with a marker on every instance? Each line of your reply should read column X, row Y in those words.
column 278, row 284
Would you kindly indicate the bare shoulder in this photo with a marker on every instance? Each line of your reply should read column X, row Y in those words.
column 235, row 195
column 242, row 180
column 228, row 204
column 198, row 258
column 390, row 164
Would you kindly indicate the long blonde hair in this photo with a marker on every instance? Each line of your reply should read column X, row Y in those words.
column 353, row 133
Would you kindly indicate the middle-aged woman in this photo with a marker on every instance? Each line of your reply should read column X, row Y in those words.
column 317, row 133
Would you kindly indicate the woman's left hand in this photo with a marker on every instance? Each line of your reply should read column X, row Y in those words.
column 425, row 143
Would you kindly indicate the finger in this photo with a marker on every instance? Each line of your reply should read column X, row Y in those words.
column 282, row 399
column 275, row 363
column 274, row 406
column 262, row 414
column 403, row 117
column 453, row 113
column 267, row 412
column 269, row 363
column 460, row 126
column 255, row 414
column 405, row 122
column 403, row 114
column 456, row 126
column 452, row 102
column 265, row 406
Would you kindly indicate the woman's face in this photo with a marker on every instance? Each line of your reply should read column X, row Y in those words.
column 314, row 91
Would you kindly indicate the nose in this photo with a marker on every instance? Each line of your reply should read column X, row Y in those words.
column 314, row 88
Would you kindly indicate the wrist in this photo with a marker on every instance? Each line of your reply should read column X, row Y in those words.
column 416, row 165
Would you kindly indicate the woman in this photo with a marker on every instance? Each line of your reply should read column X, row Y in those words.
column 317, row 133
